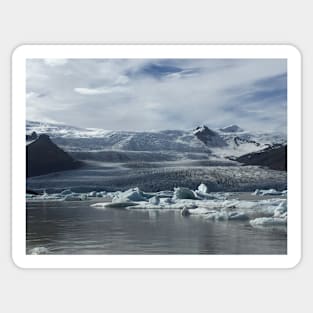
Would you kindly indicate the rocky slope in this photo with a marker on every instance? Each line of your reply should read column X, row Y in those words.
column 274, row 157
column 43, row 157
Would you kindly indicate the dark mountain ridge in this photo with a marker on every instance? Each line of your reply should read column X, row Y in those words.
column 274, row 157
column 44, row 157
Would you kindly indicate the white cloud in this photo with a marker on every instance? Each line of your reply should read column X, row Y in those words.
column 99, row 91
column 55, row 62
column 123, row 94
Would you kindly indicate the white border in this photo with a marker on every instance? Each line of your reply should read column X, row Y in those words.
column 24, row 52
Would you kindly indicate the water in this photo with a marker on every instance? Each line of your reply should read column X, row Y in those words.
column 77, row 228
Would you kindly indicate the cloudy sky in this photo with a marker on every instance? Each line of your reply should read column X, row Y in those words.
column 147, row 94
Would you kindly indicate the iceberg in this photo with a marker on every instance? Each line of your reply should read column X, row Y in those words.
column 269, row 221
column 38, row 250
column 202, row 188
column 183, row 193
column 93, row 194
column 66, row 192
column 75, row 197
column 185, row 212
column 155, row 200
column 238, row 216
column 268, row 192
column 115, row 205
column 134, row 194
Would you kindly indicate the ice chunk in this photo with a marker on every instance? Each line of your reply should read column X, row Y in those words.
column 166, row 201
column 66, row 192
column 205, row 196
column 269, row 192
column 256, row 192
column 76, row 197
column 134, row 194
column 218, row 216
column 281, row 209
column 185, row 212
column 183, row 193
column 154, row 200
column 269, row 221
column 238, row 216
column 202, row 188
column 92, row 194
column 200, row 211
column 38, row 250
column 165, row 194
column 114, row 205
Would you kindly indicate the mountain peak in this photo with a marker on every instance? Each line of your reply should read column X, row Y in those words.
column 231, row 129
column 208, row 136
column 43, row 157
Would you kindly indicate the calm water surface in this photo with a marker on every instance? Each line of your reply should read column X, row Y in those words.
column 77, row 228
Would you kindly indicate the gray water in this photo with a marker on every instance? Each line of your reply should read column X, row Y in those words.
column 77, row 228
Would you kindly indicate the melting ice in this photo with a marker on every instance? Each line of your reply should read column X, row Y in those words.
column 259, row 211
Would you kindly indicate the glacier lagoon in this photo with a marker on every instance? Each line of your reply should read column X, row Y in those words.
column 76, row 228
column 169, row 222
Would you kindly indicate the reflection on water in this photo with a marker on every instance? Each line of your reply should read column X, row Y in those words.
column 77, row 228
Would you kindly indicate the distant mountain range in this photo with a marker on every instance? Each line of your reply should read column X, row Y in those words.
column 230, row 141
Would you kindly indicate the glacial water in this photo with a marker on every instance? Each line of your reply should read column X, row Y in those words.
column 77, row 228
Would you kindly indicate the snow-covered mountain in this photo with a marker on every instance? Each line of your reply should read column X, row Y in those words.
column 231, row 129
column 224, row 142
column 209, row 137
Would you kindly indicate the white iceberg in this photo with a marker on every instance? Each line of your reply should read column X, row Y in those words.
column 268, row 192
column 202, row 188
column 269, row 221
column 38, row 250
column 134, row 194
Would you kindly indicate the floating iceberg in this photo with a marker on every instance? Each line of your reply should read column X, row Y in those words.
column 38, row 250
column 218, row 215
column 183, row 193
column 269, row 221
column 134, row 194
column 155, row 200
column 115, row 205
column 202, row 188
column 75, row 197
column 268, row 192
